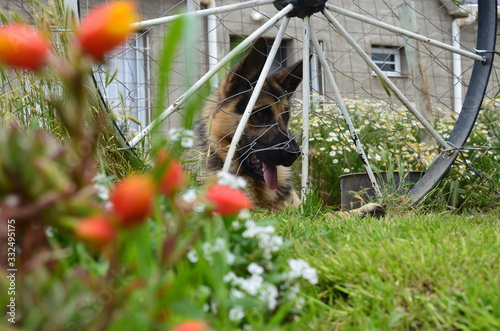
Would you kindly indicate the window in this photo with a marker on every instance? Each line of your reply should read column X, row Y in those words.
column 388, row 59
column 280, row 61
column 128, row 92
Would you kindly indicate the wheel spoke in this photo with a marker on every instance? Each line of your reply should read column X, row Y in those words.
column 388, row 83
column 306, row 95
column 238, row 49
column 406, row 33
column 347, row 117
column 202, row 13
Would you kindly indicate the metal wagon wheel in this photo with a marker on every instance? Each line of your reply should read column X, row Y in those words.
column 311, row 10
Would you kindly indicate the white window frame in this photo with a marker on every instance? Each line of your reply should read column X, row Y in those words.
column 317, row 77
column 388, row 50
column 129, row 92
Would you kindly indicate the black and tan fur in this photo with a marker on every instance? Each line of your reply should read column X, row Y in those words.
column 266, row 149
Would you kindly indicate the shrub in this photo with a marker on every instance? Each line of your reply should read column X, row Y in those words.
column 145, row 253
column 393, row 142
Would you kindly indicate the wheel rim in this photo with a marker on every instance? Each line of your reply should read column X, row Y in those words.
column 486, row 39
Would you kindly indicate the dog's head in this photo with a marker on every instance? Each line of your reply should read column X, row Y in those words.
column 266, row 141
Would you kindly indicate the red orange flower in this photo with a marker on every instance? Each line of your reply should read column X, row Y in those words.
column 97, row 229
column 173, row 178
column 191, row 326
column 106, row 27
column 132, row 199
column 23, row 47
column 227, row 200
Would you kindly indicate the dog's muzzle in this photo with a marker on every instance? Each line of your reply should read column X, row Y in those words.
column 261, row 164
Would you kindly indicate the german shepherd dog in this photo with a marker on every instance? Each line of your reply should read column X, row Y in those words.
column 266, row 149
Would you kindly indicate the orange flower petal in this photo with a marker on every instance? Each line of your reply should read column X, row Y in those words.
column 24, row 47
column 132, row 199
column 227, row 200
column 106, row 27
column 191, row 326
column 97, row 229
column 173, row 178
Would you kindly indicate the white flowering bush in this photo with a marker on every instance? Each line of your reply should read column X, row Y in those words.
column 246, row 279
column 392, row 138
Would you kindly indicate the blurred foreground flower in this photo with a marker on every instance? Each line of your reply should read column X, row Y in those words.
column 132, row 199
column 96, row 229
column 23, row 47
column 191, row 326
column 227, row 200
column 172, row 178
column 106, row 27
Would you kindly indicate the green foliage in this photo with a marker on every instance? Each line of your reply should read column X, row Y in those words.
column 29, row 99
column 433, row 272
column 183, row 263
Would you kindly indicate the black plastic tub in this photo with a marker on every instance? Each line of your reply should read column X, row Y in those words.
column 356, row 189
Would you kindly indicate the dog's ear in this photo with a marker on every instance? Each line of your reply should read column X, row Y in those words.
column 290, row 77
column 247, row 71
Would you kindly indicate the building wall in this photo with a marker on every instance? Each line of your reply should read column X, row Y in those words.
column 353, row 76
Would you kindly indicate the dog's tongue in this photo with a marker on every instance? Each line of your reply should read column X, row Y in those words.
column 270, row 176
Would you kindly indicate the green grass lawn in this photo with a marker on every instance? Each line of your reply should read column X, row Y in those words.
column 410, row 272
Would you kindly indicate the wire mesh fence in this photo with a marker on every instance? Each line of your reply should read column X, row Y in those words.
column 433, row 79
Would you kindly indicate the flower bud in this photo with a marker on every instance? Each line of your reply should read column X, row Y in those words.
column 132, row 199
column 96, row 229
column 227, row 200
column 23, row 47
column 173, row 178
column 106, row 27
column 191, row 326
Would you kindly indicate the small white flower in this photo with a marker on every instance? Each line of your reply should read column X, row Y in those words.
column 250, row 224
column 219, row 244
column 230, row 277
column 300, row 303
column 251, row 285
column 189, row 196
column 175, row 134
column 257, row 231
column 300, row 268
column 225, row 178
column 192, row 256
column 102, row 190
column 269, row 244
column 244, row 214
column 235, row 225
column 293, row 291
column 311, row 275
column 236, row 313
column 237, row 294
column 269, row 295
column 187, row 142
column 185, row 136
column 230, row 258
column 199, row 207
column 207, row 251
column 213, row 307
column 255, row 269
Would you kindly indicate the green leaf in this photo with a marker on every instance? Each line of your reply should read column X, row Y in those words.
column 384, row 85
